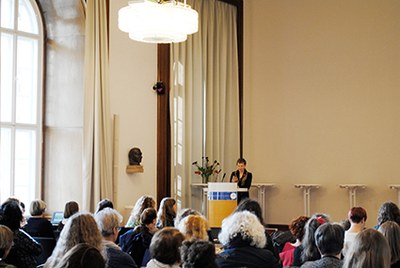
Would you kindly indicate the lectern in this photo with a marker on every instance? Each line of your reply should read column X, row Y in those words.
column 222, row 201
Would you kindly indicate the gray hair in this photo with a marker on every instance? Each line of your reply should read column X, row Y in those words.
column 107, row 219
column 245, row 224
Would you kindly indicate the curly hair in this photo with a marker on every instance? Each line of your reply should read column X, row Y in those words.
column 11, row 215
column 388, row 211
column 391, row 230
column 198, row 254
column 296, row 227
column 243, row 224
column 80, row 228
column 370, row 249
column 194, row 226
column 183, row 213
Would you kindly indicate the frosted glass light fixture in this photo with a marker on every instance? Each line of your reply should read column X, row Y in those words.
column 158, row 21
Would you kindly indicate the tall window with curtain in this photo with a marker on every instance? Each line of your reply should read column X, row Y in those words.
column 20, row 99
column 205, row 95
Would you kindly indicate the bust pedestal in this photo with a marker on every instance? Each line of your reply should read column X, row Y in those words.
column 134, row 169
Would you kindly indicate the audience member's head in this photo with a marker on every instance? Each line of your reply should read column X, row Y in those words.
column 194, row 227
column 80, row 228
column 388, row 211
column 310, row 251
column 11, row 215
column 141, row 204
column 105, row 203
column 297, row 225
column 391, row 230
column 245, row 226
column 370, row 249
column 148, row 217
column 165, row 246
column 329, row 239
column 252, row 206
column 71, row 208
column 38, row 207
column 6, row 241
column 82, row 256
column 345, row 223
column 108, row 221
column 198, row 254
column 357, row 215
column 184, row 213
column 166, row 213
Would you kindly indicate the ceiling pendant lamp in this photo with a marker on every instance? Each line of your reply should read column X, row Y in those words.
column 158, row 21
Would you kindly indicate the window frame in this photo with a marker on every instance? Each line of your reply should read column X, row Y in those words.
column 37, row 127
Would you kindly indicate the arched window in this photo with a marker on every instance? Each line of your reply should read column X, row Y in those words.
column 21, row 89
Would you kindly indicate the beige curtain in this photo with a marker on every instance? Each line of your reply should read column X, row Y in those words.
column 205, row 82
column 97, row 151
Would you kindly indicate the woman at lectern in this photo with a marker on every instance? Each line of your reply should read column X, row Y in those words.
column 242, row 177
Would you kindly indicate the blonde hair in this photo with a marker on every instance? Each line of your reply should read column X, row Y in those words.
column 6, row 239
column 370, row 249
column 194, row 227
column 37, row 207
column 80, row 228
column 391, row 230
column 243, row 224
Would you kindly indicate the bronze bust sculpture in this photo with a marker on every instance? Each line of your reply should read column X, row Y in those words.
column 135, row 156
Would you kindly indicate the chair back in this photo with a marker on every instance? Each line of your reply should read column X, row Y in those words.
column 48, row 244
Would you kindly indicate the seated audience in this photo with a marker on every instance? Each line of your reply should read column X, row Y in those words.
column 329, row 239
column 105, row 203
column 183, row 213
column 308, row 251
column 370, row 249
column 391, row 230
column 254, row 207
column 388, row 211
column 70, row 209
column 165, row 248
column 6, row 240
column 142, row 203
column 25, row 248
column 296, row 227
column 109, row 221
column 194, row 227
column 166, row 213
column 37, row 225
column 198, row 254
column 82, row 256
column 80, row 228
column 243, row 239
column 357, row 217
column 137, row 242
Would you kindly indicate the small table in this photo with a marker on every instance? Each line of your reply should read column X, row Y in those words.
column 352, row 191
column 261, row 187
column 307, row 195
column 396, row 187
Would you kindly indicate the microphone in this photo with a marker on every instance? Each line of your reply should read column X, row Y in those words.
column 223, row 177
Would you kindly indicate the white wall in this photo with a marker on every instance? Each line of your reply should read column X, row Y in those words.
column 133, row 71
column 322, row 102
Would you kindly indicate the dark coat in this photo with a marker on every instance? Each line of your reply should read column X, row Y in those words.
column 241, row 254
column 116, row 258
